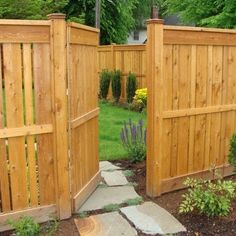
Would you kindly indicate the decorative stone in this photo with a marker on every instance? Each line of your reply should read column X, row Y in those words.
column 114, row 178
column 107, row 166
column 102, row 197
column 152, row 219
column 108, row 224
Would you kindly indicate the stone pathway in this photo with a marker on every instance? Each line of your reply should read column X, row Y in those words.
column 148, row 218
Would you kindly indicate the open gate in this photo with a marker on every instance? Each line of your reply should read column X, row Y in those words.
column 83, row 109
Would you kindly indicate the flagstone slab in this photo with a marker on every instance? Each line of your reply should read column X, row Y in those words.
column 114, row 178
column 107, row 166
column 108, row 224
column 103, row 196
column 152, row 219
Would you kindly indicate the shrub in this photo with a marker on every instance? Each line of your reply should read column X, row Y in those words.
column 25, row 226
column 133, row 138
column 232, row 152
column 131, row 85
column 140, row 99
column 212, row 198
column 116, row 85
column 105, row 78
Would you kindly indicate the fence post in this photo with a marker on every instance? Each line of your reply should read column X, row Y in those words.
column 58, row 67
column 155, row 105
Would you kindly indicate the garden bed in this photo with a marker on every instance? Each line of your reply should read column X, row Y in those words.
column 195, row 224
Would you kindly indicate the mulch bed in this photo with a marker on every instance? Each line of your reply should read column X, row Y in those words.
column 197, row 225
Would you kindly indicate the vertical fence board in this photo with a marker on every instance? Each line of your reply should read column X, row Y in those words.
column 4, row 180
column 14, row 113
column 29, row 112
column 43, row 112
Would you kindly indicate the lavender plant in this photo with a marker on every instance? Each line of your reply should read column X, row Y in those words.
column 133, row 138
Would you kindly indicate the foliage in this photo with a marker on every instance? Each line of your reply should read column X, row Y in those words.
column 105, row 78
column 111, row 121
column 116, row 17
column 25, row 226
column 30, row 9
column 131, row 86
column 111, row 207
column 212, row 198
column 116, row 84
column 142, row 11
column 133, row 138
column 134, row 201
column 140, row 99
column 217, row 13
column 232, row 151
column 83, row 214
column 128, row 173
column 50, row 227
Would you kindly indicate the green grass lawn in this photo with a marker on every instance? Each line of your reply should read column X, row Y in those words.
column 110, row 124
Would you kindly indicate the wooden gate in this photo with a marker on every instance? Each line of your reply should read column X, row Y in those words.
column 48, row 75
column 83, row 106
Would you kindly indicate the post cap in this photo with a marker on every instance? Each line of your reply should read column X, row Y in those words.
column 155, row 21
column 56, row 16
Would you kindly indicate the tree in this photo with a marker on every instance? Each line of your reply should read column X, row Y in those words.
column 217, row 13
column 116, row 17
column 30, row 9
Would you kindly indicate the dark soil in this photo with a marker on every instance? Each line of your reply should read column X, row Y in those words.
column 197, row 225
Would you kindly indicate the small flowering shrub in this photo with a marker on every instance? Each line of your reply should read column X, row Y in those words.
column 212, row 198
column 133, row 138
column 140, row 99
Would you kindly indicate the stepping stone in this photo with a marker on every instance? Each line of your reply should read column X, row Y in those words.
column 114, row 178
column 108, row 224
column 105, row 196
column 107, row 166
column 152, row 219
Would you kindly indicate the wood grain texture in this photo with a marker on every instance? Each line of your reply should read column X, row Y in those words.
column 198, row 103
column 12, row 60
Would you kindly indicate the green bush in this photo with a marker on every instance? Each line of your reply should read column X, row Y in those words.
column 25, row 226
column 212, row 198
column 116, row 85
column 140, row 100
column 105, row 78
column 133, row 138
column 232, row 152
column 131, row 86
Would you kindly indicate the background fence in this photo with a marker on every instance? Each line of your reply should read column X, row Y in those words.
column 191, row 103
column 127, row 58
column 36, row 171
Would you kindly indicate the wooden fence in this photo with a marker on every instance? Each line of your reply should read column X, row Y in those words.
column 127, row 58
column 191, row 103
column 38, row 177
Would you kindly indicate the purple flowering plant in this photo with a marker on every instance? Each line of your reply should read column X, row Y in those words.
column 133, row 138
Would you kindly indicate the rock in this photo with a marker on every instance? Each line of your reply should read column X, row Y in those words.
column 152, row 219
column 108, row 224
column 114, row 178
column 107, row 166
column 105, row 196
